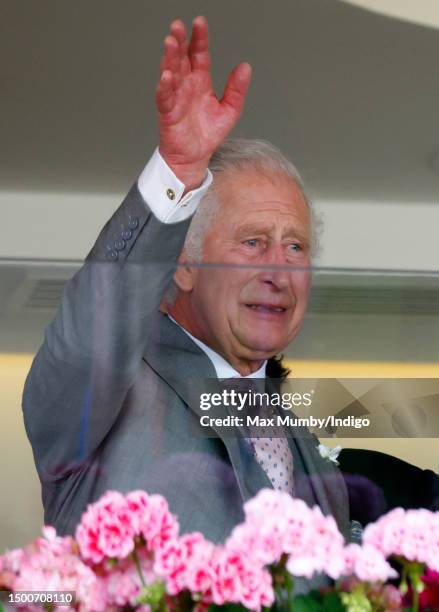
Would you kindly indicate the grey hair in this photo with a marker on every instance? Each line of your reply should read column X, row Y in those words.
column 244, row 154
column 234, row 155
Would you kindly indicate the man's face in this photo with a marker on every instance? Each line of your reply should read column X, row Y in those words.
column 249, row 313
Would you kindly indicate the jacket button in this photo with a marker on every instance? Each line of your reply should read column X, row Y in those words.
column 133, row 222
column 120, row 244
column 126, row 234
column 112, row 255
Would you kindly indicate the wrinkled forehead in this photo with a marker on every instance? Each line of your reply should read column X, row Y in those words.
column 260, row 194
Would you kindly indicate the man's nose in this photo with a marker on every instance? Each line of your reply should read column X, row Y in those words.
column 276, row 272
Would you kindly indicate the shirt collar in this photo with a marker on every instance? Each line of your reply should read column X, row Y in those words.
column 222, row 367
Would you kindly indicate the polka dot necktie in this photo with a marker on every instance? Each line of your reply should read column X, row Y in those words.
column 275, row 458
column 272, row 453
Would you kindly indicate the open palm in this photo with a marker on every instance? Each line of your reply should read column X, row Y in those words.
column 193, row 122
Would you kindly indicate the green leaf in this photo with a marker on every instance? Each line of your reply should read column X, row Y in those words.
column 356, row 602
column 306, row 603
column 332, row 603
column 153, row 595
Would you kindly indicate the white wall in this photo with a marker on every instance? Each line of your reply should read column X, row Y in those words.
column 357, row 234
column 380, row 235
column 424, row 12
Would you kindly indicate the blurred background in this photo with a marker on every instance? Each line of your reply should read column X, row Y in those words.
column 351, row 95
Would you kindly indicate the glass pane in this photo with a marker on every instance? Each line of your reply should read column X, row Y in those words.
column 121, row 397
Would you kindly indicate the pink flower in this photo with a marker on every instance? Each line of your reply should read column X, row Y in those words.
column 109, row 526
column 213, row 573
column 10, row 567
column 199, row 572
column 382, row 596
column 318, row 549
column 429, row 598
column 238, row 580
column 276, row 524
column 51, row 563
column 158, row 526
column 413, row 534
column 105, row 529
column 276, row 527
column 138, row 506
column 391, row 598
column 271, row 519
column 185, row 564
column 367, row 564
column 122, row 585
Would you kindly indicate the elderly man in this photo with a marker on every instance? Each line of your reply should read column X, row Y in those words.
column 109, row 402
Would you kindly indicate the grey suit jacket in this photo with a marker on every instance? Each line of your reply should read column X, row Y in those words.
column 109, row 400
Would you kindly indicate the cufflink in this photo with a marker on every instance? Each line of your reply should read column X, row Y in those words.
column 170, row 193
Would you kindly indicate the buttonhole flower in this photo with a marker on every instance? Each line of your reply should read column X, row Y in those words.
column 330, row 454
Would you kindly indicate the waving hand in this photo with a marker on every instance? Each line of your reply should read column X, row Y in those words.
column 193, row 122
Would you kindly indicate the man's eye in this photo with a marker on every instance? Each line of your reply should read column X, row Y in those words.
column 294, row 247
column 252, row 242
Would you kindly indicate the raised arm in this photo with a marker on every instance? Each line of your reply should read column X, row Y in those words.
column 81, row 374
column 192, row 121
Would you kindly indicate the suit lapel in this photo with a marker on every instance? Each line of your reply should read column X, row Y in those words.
column 316, row 480
column 186, row 369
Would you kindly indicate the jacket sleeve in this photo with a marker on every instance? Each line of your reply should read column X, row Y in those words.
column 79, row 378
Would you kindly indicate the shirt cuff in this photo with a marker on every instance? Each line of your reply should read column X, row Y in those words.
column 162, row 191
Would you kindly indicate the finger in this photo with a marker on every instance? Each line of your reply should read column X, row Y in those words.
column 178, row 30
column 199, row 46
column 171, row 60
column 165, row 95
column 236, row 88
column 171, row 56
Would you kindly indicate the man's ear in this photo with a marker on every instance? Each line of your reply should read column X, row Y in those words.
column 185, row 275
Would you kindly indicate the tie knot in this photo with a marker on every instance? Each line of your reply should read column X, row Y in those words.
column 242, row 385
column 249, row 395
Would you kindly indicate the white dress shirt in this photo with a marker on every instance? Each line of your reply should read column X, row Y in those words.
column 163, row 191
column 222, row 367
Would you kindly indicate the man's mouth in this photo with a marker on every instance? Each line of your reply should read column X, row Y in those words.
column 267, row 308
